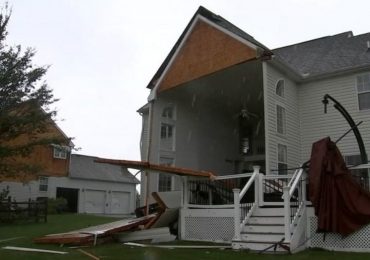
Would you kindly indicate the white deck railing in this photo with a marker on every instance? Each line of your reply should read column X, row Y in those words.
column 297, row 188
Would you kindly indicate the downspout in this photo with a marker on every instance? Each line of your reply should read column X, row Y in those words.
column 150, row 126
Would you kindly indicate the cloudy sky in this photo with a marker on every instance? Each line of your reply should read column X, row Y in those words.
column 103, row 53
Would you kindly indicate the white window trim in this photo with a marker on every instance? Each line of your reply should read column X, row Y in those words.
column 362, row 92
column 285, row 119
column 171, row 122
column 276, row 85
column 60, row 152
column 172, row 177
column 46, row 179
column 277, row 156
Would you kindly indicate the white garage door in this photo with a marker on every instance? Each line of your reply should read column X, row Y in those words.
column 94, row 201
column 120, row 202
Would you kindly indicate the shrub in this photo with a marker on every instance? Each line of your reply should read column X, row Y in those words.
column 57, row 206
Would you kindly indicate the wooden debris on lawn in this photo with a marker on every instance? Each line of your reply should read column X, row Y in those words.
column 88, row 254
column 91, row 234
column 26, row 249
column 154, row 235
column 9, row 239
column 179, row 246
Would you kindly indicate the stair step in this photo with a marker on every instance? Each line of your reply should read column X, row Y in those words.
column 262, row 237
column 268, row 211
column 266, row 220
column 264, row 228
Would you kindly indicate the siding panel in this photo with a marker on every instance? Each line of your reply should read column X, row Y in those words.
column 290, row 102
column 316, row 125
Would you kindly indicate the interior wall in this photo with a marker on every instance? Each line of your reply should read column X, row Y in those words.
column 207, row 110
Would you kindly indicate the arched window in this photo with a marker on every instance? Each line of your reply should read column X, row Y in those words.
column 280, row 88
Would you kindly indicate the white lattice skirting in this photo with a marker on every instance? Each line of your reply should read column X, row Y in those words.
column 207, row 225
column 356, row 242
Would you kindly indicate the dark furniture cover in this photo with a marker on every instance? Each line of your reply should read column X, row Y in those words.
column 340, row 203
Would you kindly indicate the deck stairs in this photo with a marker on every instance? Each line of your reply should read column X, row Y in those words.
column 264, row 231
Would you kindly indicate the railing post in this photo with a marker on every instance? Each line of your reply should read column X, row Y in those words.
column 185, row 194
column 236, row 214
column 304, row 191
column 286, row 214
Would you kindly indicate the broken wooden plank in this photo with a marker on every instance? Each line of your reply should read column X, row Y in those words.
column 26, row 249
column 91, row 234
column 166, row 218
column 10, row 239
column 154, row 235
column 88, row 254
column 179, row 246
column 144, row 165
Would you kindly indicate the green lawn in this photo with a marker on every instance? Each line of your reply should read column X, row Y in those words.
column 63, row 223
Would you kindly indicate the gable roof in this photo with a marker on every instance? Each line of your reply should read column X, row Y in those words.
column 213, row 18
column 85, row 167
column 326, row 55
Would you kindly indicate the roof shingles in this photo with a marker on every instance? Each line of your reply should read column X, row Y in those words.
column 326, row 55
column 85, row 167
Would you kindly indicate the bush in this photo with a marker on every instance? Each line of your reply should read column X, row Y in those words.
column 57, row 206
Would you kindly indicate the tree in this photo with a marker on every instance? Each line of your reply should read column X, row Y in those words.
column 24, row 104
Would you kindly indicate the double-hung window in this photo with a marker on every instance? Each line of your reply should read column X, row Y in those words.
column 280, row 120
column 282, row 159
column 363, row 91
column 164, row 179
column 43, row 183
column 167, row 141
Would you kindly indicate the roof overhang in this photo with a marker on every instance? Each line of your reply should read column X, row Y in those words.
column 199, row 16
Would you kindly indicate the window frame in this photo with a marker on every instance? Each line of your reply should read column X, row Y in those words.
column 279, row 162
column 43, row 183
column 60, row 152
column 283, row 120
column 280, row 88
column 165, row 176
column 363, row 91
column 167, row 128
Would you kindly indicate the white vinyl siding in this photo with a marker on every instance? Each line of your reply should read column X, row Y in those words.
column 144, row 136
column 292, row 125
column 315, row 124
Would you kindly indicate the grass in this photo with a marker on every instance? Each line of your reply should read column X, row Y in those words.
column 68, row 222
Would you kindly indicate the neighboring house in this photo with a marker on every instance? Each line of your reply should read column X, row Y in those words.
column 89, row 187
column 223, row 102
column 98, row 187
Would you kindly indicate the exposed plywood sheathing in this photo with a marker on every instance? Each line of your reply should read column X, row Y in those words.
column 90, row 235
column 140, row 165
column 205, row 51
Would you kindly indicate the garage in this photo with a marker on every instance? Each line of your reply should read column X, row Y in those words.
column 119, row 202
column 94, row 201
column 103, row 188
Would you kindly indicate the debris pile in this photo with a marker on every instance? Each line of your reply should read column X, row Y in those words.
column 156, row 227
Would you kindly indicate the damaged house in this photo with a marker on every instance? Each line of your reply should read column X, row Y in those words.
column 223, row 104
